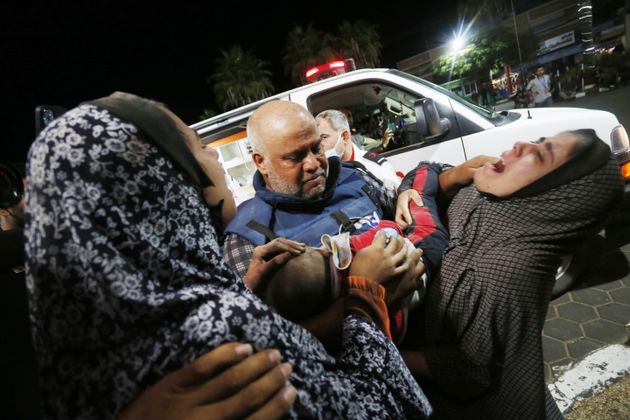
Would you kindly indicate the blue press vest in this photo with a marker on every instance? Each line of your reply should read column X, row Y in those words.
column 305, row 220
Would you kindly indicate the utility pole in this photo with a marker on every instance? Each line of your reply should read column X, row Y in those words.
column 518, row 47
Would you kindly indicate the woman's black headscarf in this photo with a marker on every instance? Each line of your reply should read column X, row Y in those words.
column 589, row 154
column 127, row 283
column 486, row 308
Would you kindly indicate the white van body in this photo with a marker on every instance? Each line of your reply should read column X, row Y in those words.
column 472, row 130
column 464, row 130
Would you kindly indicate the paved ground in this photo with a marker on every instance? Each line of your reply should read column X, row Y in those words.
column 594, row 313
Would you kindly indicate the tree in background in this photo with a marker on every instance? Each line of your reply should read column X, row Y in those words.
column 309, row 47
column 491, row 50
column 207, row 113
column 240, row 78
column 361, row 41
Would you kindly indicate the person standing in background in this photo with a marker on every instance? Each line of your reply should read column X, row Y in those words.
column 334, row 131
column 17, row 357
column 541, row 88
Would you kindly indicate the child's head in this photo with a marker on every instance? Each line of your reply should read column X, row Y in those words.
column 302, row 287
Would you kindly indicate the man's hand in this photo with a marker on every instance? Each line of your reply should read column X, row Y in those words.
column 266, row 259
column 403, row 215
column 381, row 261
column 387, row 136
column 391, row 265
column 227, row 382
column 463, row 174
column 397, row 290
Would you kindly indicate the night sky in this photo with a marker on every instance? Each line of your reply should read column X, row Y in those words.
column 63, row 53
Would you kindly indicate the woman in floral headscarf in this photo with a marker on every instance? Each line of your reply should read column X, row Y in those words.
column 484, row 312
column 127, row 282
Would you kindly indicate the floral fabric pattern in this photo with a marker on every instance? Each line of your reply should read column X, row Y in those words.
column 126, row 284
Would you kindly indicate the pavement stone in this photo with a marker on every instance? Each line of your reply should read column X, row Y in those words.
column 582, row 347
column 576, row 311
column 605, row 331
column 621, row 295
column 590, row 296
column 553, row 350
column 562, row 329
column 592, row 315
column 615, row 312
column 609, row 286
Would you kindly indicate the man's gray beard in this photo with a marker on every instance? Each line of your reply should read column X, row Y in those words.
column 279, row 185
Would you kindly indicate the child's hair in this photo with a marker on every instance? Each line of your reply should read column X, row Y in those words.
column 301, row 288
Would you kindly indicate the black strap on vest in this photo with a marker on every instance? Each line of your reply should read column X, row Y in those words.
column 160, row 128
column 262, row 229
column 358, row 165
column 344, row 221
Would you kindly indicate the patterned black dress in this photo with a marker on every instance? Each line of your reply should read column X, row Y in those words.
column 486, row 309
column 127, row 283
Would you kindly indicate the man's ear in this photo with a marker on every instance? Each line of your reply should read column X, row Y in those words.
column 260, row 163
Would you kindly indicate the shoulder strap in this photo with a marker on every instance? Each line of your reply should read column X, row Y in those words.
column 262, row 229
column 346, row 224
column 361, row 167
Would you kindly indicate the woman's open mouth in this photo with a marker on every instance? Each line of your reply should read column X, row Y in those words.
column 497, row 166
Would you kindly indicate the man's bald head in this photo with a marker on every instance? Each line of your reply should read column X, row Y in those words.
column 287, row 150
column 274, row 119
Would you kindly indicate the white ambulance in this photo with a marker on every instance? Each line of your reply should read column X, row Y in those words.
column 430, row 123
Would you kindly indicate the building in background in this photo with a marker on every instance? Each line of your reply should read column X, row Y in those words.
column 564, row 29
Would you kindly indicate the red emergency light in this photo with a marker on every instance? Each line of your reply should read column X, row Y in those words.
column 333, row 68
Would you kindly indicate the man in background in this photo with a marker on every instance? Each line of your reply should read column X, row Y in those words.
column 17, row 358
column 541, row 88
column 334, row 131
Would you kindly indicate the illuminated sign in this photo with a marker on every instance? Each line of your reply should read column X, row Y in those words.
column 556, row 42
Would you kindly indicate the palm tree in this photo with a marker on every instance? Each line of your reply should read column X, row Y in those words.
column 240, row 78
column 305, row 48
column 361, row 41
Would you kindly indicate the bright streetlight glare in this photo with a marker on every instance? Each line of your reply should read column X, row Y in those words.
column 460, row 37
column 458, row 43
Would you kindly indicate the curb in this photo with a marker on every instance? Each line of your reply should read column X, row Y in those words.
column 591, row 375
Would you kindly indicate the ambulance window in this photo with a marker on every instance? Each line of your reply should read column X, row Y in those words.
column 374, row 107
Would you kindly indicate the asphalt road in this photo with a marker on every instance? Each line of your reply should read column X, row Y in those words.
column 616, row 100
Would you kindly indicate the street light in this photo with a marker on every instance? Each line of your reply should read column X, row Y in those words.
column 457, row 44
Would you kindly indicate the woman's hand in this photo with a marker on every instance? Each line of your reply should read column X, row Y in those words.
column 463, row 174
column 268, row 258
column 403, row 215
column 227, row 382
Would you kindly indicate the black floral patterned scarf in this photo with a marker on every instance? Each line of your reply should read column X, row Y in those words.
column 126, row 284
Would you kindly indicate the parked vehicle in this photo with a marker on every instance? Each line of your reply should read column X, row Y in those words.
column 431, row 123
